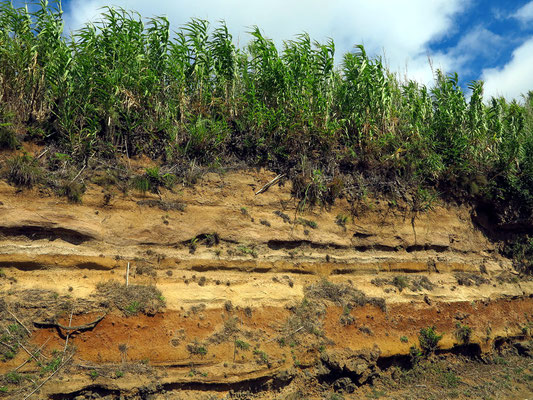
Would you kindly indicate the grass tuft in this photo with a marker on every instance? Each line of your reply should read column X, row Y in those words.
column 24, row 171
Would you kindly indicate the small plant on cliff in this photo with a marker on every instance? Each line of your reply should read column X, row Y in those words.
column 152, row 180
column 401, row 282
column 463, row 333
column 193, row 245
column 429, row 339
column 341, row 220
column 51, row 366
column 307, row 222
column 247, row 250
column 196, row 348
column 14, row 378
column 133, row 307
column 262, row 357
column 414, row 355
column 242, row 345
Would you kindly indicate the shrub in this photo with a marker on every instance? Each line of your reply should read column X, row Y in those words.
column 421, row 282
column 520, row 249
column 133, row 307
column 51, row 366
column 449, row 380
column 247, row 251
column 429, row 339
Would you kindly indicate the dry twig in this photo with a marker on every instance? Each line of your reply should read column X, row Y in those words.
column 272, row 182
column 16, row 319
column 36, row 352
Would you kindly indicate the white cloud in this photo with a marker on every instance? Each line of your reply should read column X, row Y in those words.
column 401, row 30
column 525, row 13
column 514, row 78
column 478, row 43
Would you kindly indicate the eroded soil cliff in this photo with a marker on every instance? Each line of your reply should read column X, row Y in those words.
column 235, row 294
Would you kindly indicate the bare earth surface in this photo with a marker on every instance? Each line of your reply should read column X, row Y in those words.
column 236, row 295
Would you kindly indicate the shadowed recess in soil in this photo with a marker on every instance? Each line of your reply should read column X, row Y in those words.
column 256, row 385
column 33, row 232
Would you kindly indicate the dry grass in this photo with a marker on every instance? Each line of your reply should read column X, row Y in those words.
column 470, row 279
column 131, row 299
column 341, row 294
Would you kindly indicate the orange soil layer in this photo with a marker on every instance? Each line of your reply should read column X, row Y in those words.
column 151, row 338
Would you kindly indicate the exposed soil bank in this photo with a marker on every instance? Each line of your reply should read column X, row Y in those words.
column 233, row 292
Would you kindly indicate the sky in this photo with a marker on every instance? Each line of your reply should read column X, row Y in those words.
column 485, row 40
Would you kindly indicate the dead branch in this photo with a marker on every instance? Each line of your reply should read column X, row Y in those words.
column 68, row 334
column 90, row 325
column 34, row 353
column 16, row 319
column 29, row 352
column 79, row 173
column 272, row 182
column 42, row 154
column 19, row 344
column 9, row 346
column 89, row 366
column 290, row 334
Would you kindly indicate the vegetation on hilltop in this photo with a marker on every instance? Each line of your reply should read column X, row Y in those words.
column 130, row 86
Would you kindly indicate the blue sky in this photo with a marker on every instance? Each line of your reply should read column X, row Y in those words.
column 489, row 40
